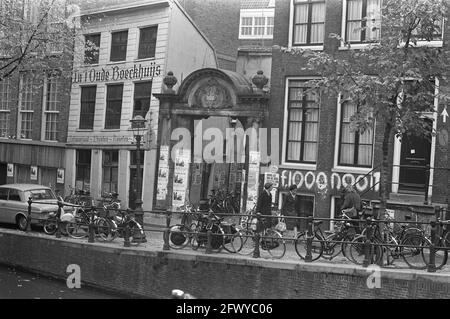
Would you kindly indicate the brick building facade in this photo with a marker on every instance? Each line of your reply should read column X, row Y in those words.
column 321, row 175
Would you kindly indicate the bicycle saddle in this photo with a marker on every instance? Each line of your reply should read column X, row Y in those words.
column 317, row 222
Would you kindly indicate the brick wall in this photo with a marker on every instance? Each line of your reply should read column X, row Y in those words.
column 155, row 273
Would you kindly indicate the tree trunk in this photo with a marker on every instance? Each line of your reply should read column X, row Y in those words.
column 384, row 183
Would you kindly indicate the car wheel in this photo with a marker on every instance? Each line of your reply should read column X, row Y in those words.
column 21, row 222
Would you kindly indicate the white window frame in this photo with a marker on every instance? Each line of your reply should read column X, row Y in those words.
column 5, row 105
column 256, row 13
column 21, row 110
column 46, row 112
column 284, row 163
column 432, row 44
column 314, row 47
column 398, row 145
column 349, row 169
column 344, row 34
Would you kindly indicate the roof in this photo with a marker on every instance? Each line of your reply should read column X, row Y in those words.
column 25, row 187
column 254, row 4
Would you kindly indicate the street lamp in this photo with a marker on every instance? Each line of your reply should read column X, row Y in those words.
column 138, row 127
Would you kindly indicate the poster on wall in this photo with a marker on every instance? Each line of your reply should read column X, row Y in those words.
column 253, row 174
column 60, row 176
column 180, row 177
column 33, row 173
column 10, row 170
column 163, row 173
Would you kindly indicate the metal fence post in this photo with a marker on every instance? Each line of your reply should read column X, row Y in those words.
column 126, row 236
column 367, row 244
column 58, row 220
column 257, row 236
column 432, row 264
column 208, row 242
column 309, row 238
column 427, row 178
column 91, row 227
column 30, row 201
column 166, row 234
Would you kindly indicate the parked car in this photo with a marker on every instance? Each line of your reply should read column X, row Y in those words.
column 14, row 204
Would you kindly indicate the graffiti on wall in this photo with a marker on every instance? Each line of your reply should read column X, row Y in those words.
column 322, row 182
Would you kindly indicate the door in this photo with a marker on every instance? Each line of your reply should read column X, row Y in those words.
column 3, row 173
column 414, row 163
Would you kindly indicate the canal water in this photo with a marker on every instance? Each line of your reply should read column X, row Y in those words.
column 17, row 284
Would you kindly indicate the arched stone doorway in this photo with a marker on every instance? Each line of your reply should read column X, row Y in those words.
column 209, row 103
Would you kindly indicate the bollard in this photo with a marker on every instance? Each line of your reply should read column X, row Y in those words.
column 58, row 220
column 367, row 244
column 166, row 234
column 309, row 239
column 91, row 227
column 432, row 264
column 126, row 237
column 30, row 201
column 208, row 242
column 257, row 239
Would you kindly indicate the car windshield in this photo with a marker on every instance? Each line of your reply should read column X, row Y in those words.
column 38, row 194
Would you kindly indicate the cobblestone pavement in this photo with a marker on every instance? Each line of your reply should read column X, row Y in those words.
column 155, row 242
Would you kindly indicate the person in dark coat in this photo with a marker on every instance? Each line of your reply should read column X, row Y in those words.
column 264, row 204
column 288, row 208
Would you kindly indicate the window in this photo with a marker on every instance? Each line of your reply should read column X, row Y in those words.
column 256, row 23
column 26, row 106
column 83, row 170
column 55, row 36
column 420, row 33
column 147, row 42
column 5, row 103
column 14, row 195
column 110, row 171
column 303, row 124
column 119, row 42
column 363, row 21
column 3, row 193
column 246, row 26
column 309, row 22
column 270, row 23
column 142, row 96
column 355, row 148
column 91, row 48
column 88, row 94
column 113, row 106
column 52, row 106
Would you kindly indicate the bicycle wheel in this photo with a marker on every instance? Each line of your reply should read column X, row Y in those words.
column 217, row 238
column 103, row 229
column 301, row 249
column 332, row 246
column 248, row 244
column 273, row 243
column 233, row 242
column 357, row 251
column 50, row 226
column 414, row 256
column 198, row 237
column 179, row 236
column 77, row 230
column 136, row 233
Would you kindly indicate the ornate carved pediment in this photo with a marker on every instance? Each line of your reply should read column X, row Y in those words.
column 212, row 95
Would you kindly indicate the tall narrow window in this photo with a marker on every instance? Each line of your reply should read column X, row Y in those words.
column 355, row 148
column 113, row 106
column 363, row 21
column 147, row 42
column 142, row 96
column 88, row 95
column 26, row 106
column 270, row 23
column 309, row 22
column 260, row 23
column 303, row 124
column 83, row 170
column 5, row 104
column 110, row 171
column 52, row 107
column 246, row 25
column 92, row 48
column 119, row 41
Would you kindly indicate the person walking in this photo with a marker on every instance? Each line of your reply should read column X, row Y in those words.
column 288, row 208
column 351, row 205
column 264, row 205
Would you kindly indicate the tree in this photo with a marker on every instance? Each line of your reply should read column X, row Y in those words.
column 392, row 80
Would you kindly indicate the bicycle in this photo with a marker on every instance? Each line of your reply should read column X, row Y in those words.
column 180, row 235
column 326, row 246
column 117, row 226
column 271, row 240
column 78, row 225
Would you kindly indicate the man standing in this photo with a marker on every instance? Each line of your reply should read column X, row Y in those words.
column 264, row 205
column 288, row 208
